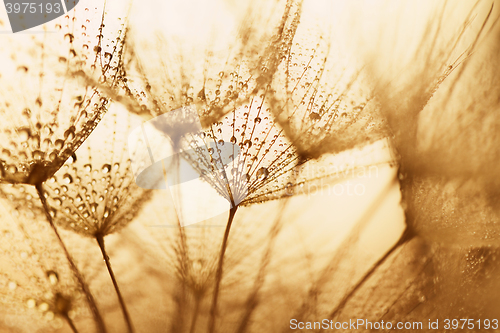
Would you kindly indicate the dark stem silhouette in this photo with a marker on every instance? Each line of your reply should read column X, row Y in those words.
column 85, row 288
column 218, row 276
column 100, row 241
column 405, row 237
column 195, row 314
column 70, row 323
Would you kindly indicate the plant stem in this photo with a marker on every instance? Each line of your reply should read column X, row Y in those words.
column 405, row 237
column 90, row 299
column 100, row 241
column 70, row 323
column 195, row 315
column 218, row 276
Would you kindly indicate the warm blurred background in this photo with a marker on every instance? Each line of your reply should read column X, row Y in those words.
column 366, row 185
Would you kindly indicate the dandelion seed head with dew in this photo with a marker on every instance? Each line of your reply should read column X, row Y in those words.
column 235, row 58
column 319, row 94
column 295, row 256
column 47, row 111
column 441, row 114
column 94, row 192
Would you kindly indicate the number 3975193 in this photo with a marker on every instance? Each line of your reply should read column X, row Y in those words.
column 470, row 324
column 30, row 7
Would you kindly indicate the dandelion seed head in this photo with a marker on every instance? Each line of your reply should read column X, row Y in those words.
column 96, row 193
column 48, row 113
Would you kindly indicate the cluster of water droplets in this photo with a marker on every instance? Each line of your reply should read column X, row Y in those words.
column 216, row 80
column 94, row 192
column 320, row 99
column 457, row 212
column 47, row 109
column 37, row 285
column 244, row 156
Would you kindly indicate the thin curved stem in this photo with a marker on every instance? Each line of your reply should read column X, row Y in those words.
column 218, row 276
column 405, row 237
column 70, row 323
column 100, row 241
column 195, row 315
column 85, row 288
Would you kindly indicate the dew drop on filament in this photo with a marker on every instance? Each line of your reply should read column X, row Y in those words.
column 67, row 178
column 262, row 174
column 314, row 116
column 53, row 278
column 106, row 168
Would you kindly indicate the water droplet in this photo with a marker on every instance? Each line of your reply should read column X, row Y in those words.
column 38, row 155
column 70, row 37
column 49, row 315
column 67, row 179
column 27, row 113
column 87, row 167
column 106, row 168
column 93, row 207
column 262, row 174
column 12, row 285
column 24, row 133
column 257, row 120
column 314, row 116
column 233, row 139
column 59, row 144
column 31, row 303
column 43, row 307
column 72, row 158
column 248, row 143
column 70, row 133
column 53, row 277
